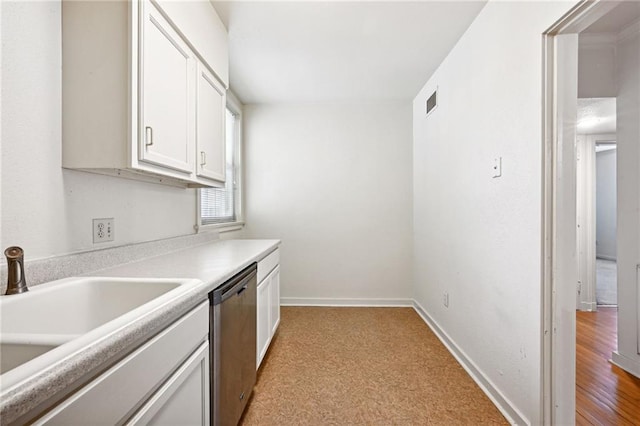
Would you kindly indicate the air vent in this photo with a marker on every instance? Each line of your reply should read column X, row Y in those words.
column 432, row 102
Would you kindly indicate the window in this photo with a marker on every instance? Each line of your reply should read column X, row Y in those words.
column 222, row 206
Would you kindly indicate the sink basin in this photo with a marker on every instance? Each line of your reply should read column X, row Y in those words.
column 77, row 306
column 14, row 354
column 50, row 315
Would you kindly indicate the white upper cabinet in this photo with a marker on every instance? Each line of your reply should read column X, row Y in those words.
column 144, row 86
column 200, row 24
column 210, row 126
column 167, row 109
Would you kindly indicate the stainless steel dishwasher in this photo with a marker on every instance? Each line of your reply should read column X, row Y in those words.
column 232, row 331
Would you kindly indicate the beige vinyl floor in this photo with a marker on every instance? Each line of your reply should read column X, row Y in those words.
column 363, row 366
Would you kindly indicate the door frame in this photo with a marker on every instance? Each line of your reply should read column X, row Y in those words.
column 558, row 367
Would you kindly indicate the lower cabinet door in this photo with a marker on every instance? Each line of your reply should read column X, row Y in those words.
column 184, row 398
column 117, row 393
column 274, row 301
column 262, row 318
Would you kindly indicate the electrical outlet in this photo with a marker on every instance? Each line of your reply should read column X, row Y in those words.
column 103, row 230
column 445, row 299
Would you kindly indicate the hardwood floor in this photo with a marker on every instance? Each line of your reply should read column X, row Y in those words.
column 605, row 394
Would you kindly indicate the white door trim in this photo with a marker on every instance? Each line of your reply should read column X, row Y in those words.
column 557, row 367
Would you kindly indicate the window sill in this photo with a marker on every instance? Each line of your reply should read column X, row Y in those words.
column 222, row 227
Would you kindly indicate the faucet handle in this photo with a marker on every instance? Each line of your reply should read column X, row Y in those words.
column 14, row 252
column 16, row 282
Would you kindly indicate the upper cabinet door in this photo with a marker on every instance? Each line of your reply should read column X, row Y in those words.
column 167, row 99
column 210, row 126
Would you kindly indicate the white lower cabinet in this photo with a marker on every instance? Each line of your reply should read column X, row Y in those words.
column 274, row 295
column 268, row 311
column 262, row 315
column 184, row 398
column 165, row 381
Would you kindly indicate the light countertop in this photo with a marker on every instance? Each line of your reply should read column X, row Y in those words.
column 211, row 263
column 207, row 265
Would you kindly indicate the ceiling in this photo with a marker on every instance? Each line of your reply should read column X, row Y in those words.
column 596, row 115
column 617, row 19
column 313, row 51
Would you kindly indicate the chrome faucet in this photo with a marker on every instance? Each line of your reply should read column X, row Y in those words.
column 16, row 282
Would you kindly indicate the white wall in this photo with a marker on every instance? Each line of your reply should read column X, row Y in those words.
column 333, row 181
column 606, row 204
column 45, row 209
column 476, row 237
column 628, row 182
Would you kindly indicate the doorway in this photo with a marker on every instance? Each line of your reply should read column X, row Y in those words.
column 596, row 195
column 606, row 213
column 620, row 23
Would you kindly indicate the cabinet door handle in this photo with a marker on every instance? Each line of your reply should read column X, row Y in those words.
column 203, row 158
column 148, row 134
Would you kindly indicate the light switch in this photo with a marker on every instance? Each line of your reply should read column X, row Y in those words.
column 497, row 167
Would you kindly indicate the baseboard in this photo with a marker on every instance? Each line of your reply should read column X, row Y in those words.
column 320, row 301
column 629, row 365
column 588, row 306
column 507, row 409
column 605, row 257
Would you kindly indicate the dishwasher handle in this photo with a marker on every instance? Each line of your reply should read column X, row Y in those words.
column 234, row 286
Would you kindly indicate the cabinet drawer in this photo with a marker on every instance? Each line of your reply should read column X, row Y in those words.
column 114, row 395
column 266, row 265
